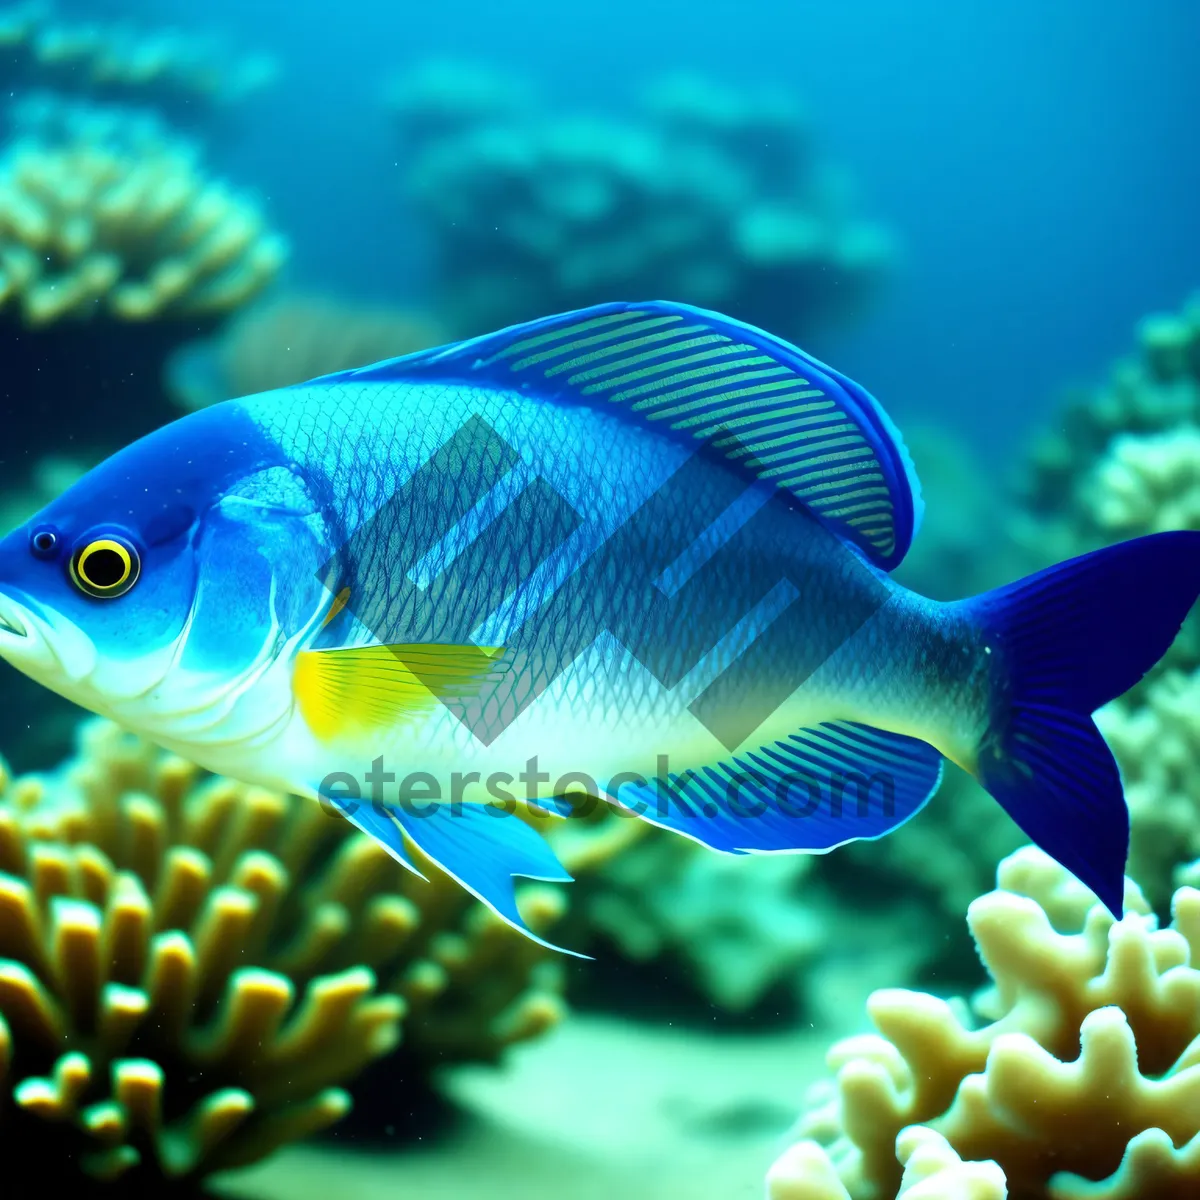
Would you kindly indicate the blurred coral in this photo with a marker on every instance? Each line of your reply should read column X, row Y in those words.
column 442, row 98
column 731, row 930
column 707, row 196
column 1128, row 463
column 752, row 939
column 176, row 69
column 1075, row 498
column 940, row 861
column 188, row 967
column 90, row 228
column 1077, row 1073
column 290, row 339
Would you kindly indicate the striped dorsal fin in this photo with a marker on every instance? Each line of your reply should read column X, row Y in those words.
column 696, row 375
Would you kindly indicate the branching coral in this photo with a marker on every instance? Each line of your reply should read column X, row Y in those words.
column 1128, row 465
column 1083, row 1078
column 180, row 70
column 1155, row 391
column 88, row 227
column 706, row 196
column 189, row 968
column 289, row 340
column 932, row 1171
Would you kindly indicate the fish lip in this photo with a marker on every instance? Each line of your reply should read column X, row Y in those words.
column 11, row 624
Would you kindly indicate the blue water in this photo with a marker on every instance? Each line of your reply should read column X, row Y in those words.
column 1038, row 161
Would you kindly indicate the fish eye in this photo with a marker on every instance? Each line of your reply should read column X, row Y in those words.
column 43, row 542
column 106, row 567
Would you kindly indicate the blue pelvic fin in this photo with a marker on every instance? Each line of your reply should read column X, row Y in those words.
column 484, row 847
column 838, row 782
column 1066, row 641
column 712, row 382
column 375, row 824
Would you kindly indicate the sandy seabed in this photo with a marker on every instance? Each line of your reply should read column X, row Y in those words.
column 599, row 1109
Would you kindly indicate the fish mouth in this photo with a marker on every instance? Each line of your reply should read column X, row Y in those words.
column 35, row 642
column 11, row 624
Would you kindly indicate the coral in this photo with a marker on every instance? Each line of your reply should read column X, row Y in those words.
column 1146, row 483
column 1077, row 1072
column 181, row 71
column 932, row 1171
column 705, row 196
column 290, row 339
column 754, row 938
column 444, row 97
column 1125, row 464
column 732, row 929
column 190, row 968
column 942, row 860
column 1155, row 391
column 92, row 228
column 115, row 246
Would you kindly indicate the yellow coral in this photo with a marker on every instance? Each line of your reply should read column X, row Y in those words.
column 1147, row 483
column 932, row 1171
column 1084, row 1082
column 1155, row 736
column 188, row 967
column 137, row 235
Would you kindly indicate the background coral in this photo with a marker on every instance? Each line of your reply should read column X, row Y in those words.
column 753, row 940
column 292, row 338
column 189, row 968
column 115, row 246
column 706, row 196
column 1076, row 1071
column 134, row 233
column 1070, row 496
column 178, row 70
column 730, row 932
column 1125, row 464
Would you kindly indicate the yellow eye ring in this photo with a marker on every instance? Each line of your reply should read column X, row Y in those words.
column 105, row 568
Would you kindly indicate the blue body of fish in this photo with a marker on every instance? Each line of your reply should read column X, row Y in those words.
column 637, row 554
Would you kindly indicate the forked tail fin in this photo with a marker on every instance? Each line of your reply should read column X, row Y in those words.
column 1068, row 640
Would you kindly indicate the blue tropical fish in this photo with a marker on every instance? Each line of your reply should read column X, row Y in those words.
column 639, row 552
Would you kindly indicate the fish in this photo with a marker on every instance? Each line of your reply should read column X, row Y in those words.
column 637, row 556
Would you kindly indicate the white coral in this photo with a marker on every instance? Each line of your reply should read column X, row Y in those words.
column 1084, row 1083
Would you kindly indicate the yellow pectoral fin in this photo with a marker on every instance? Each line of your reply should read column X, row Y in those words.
column 371, row 688
column 339, row 602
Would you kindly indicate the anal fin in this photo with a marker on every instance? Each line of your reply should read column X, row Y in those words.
column 818, row 789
